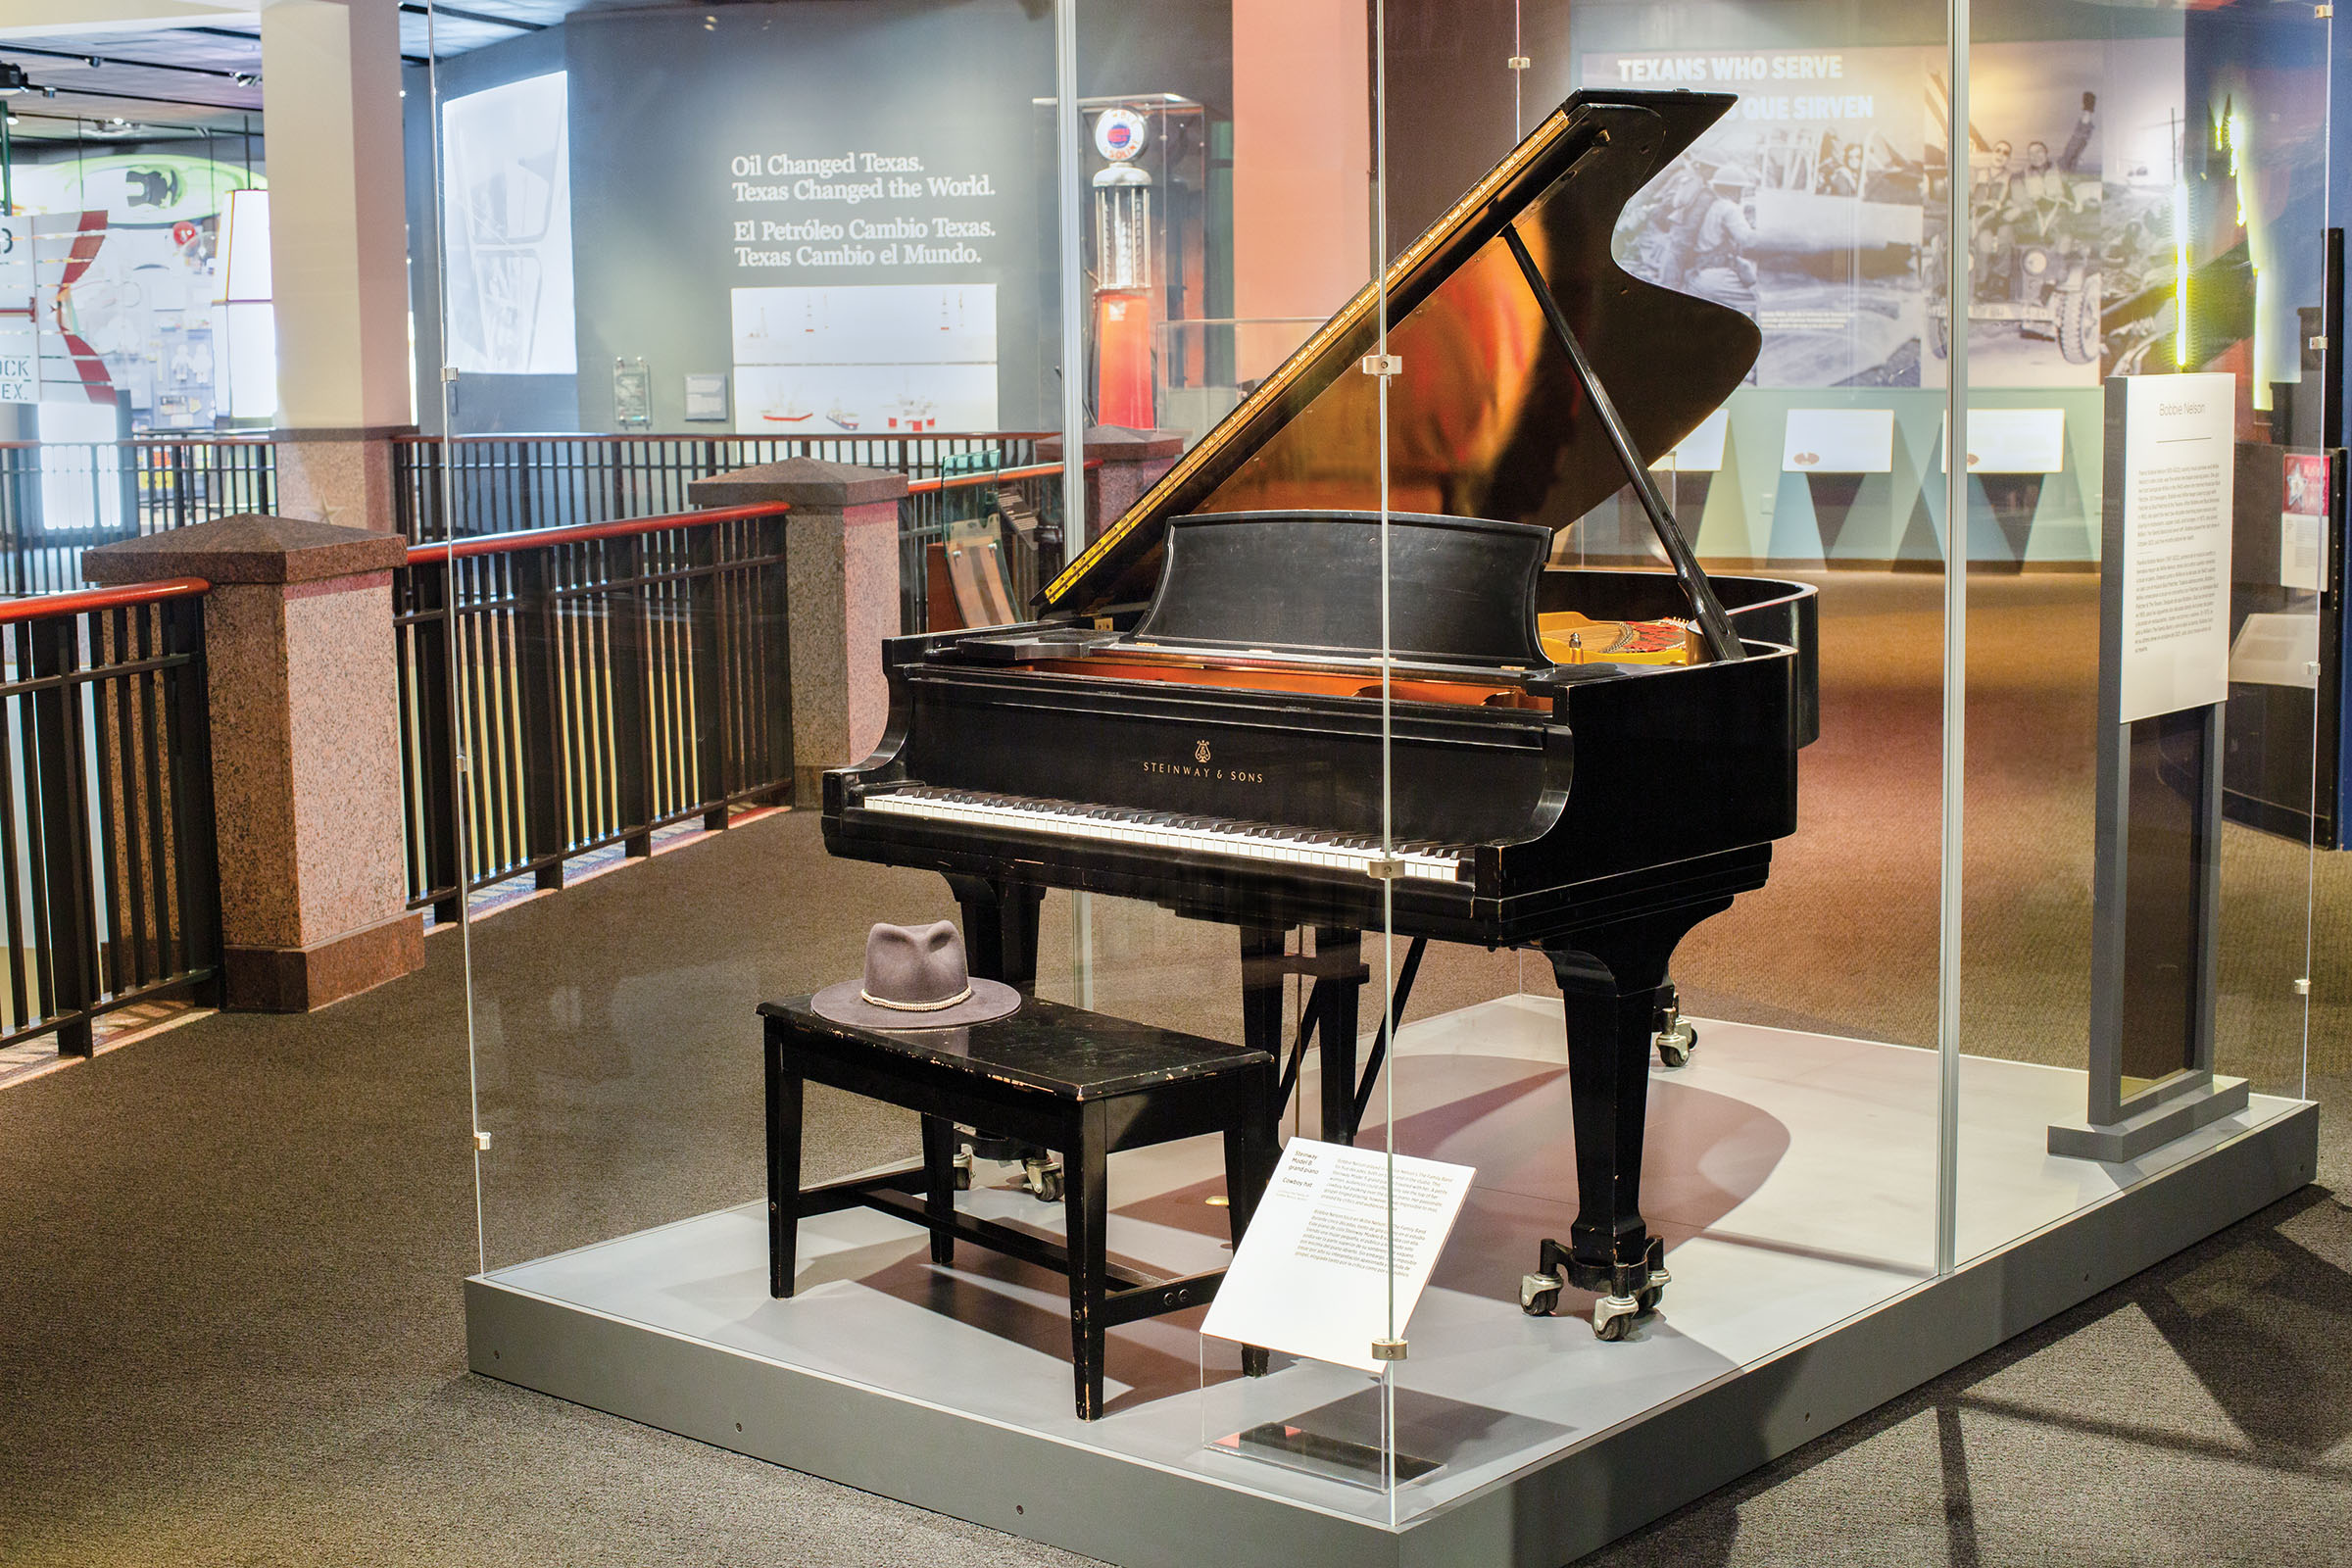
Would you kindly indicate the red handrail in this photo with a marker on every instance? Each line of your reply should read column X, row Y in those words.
column 989, row 476
column 420, row 439
column 498, row 544
column 190, row 438
column 40, row 606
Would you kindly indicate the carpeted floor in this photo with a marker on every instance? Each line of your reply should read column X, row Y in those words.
column 229, row 1321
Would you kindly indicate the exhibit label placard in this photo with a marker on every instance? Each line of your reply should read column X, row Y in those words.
column 2177, row 457
column 1701, row 451
column 1838, row 441
column 1313, row 1274
column 2013, row 441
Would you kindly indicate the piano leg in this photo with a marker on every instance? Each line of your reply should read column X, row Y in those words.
column 999, row 928
column 999, row 943
column 1613, row 984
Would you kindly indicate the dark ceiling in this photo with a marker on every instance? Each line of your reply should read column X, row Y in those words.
column 177, row 81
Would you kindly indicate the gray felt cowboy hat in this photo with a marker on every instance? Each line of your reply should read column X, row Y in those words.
column 915, row 978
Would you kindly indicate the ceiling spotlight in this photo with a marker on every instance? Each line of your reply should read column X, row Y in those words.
column 13, row 79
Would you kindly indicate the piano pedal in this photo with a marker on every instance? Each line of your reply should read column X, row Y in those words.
column 1044, row 1179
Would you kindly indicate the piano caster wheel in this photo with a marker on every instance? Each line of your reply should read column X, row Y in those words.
column 1538, row 1295
column 963, row 1170
column 1044, row 1179
column 1613, row 1315
column 1676, row 1039
column 1649, row 1295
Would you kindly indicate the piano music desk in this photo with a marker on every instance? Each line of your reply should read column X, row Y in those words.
column 1079, row 1083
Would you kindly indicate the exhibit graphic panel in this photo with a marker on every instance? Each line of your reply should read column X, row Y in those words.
column 866, row 357
column 508, row 245
column 112, row 281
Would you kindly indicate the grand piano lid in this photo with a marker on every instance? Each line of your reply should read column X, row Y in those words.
column 1485, row 417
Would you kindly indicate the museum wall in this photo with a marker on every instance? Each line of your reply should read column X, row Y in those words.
column 674, row 123
column 1842, row 257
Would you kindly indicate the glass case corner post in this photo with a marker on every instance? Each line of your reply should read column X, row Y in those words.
column 1958, row 187
column 436, row 591
column 1389, row 1349
column 1069, row 235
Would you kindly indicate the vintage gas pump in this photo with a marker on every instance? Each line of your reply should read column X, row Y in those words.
column 1124, row 312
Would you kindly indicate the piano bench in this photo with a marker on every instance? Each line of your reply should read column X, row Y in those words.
column 1079, row 1083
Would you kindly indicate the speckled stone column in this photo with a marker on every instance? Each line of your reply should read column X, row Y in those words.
column 306, row 751
column 1132, row 462
column 841, row 576
column 339, row 476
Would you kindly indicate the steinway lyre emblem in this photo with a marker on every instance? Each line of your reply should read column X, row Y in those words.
column 1201, row 751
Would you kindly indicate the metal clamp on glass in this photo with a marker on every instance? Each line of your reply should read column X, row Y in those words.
column 1388, row 1350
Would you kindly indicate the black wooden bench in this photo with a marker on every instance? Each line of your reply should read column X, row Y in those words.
column 1079, row 1083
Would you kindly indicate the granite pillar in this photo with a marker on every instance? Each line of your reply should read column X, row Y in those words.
column 338, row 476
column 1132, row 462
column 840, row 572
column 303, row 705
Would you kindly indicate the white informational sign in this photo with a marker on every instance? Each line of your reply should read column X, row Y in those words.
column 2014, row 440
column 2177, row 457
column 1313, row 1276
column 707, row 395
column 1838, row 441
column 1701, row 451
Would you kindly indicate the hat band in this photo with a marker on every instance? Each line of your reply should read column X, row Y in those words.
column 960, row 998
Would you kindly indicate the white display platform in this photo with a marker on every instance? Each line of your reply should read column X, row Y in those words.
column 1791, row 1174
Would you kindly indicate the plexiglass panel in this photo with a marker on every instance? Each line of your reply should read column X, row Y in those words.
column 1715, row 966
column 2149, row 488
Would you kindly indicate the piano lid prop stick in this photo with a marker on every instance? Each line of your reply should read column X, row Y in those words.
column 1722, row 641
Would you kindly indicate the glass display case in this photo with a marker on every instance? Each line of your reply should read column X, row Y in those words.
column 1570, row 897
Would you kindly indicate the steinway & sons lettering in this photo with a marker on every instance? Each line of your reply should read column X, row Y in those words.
column 1230, row 775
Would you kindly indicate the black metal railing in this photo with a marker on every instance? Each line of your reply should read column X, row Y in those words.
column 474, row 486
column 1017, row 509
column 580, row 687
column 60, row 498
column 109, row 887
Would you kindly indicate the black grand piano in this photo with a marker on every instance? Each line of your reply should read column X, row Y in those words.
column 1585, row 763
